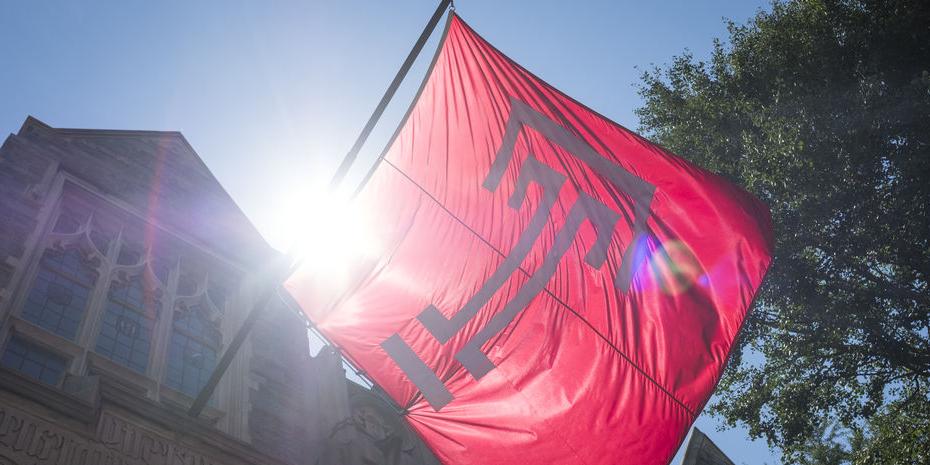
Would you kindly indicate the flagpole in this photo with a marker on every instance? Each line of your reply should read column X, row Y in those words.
column 388, row 94
column 279, row 272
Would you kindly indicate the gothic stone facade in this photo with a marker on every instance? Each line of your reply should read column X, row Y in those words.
column 702, row 451
column 125, row 269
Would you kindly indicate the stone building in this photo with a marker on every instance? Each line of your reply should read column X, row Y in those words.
column 125, row 269
column 702, row 451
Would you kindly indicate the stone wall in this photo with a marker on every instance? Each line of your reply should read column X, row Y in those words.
column 278, row 396
column 26, row 438
column 23, row 169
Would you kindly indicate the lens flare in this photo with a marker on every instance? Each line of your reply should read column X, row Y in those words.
column 674, row 267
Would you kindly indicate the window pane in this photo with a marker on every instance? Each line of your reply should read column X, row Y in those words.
column 193, row 322
column 127, row 325
column 217, row 294
column 129, row 254
column 101, row 240
column 33, row 361
column 187, row 285
column 190, row 364
column 70, row 219
column 192, row 352
column 70, row 263
column 57, row 302
column 162, row 265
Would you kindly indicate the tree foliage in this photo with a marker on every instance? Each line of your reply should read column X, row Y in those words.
column 821, row 108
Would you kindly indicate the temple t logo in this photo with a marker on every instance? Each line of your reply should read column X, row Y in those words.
column 585, row 208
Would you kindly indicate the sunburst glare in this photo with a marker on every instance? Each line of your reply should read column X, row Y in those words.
column 326, row 232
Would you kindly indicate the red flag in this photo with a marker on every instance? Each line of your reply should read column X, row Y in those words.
column 549, row 287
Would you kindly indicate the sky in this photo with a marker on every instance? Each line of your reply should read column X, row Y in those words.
column 272, row 94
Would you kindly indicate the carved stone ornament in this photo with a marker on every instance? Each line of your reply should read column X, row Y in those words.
column 25, row 439
column 89, row 258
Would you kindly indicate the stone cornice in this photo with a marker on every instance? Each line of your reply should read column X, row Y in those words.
column 90, row 395
column 177, row 420
column 82, row 405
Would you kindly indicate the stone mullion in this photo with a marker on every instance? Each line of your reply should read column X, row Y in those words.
column 87, row 335
column 162, row 333
column 233, row 390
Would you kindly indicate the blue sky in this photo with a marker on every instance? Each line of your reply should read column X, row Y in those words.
column 272, row 94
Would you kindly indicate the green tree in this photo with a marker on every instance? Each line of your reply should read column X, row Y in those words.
column 821, row 108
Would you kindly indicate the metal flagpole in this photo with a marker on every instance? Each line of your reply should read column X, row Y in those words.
column 279, row 272
column 401, row 73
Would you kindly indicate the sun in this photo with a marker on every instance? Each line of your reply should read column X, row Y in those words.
column 324, row 231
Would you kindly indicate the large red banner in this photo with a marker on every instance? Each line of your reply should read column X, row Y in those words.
column 548, row 287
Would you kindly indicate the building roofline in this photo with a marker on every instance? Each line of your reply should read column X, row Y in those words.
column 33, row 122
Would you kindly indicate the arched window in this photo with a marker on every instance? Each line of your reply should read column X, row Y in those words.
column 192, row 353
column 59, row 295
column 128, row 321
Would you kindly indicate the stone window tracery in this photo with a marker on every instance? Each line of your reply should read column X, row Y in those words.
column 125, row 291
column 101, row 234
